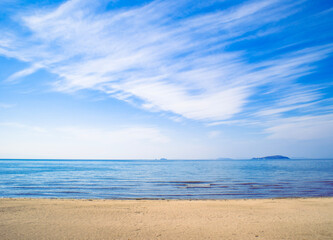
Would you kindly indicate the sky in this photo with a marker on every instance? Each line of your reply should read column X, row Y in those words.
column 174, row 79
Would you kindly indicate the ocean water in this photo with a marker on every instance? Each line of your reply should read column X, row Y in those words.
column 170, row 179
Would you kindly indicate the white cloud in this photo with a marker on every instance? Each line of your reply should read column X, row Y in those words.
column 146, row 57
column 277, row 111
column 23, row 73
column 123, row 135
column 6, row 105
column 23, row 126
column 303, row 128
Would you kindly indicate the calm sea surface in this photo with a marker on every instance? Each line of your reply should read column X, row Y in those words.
column 176, row 179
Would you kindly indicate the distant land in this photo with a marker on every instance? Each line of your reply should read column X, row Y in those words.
column 271, row 157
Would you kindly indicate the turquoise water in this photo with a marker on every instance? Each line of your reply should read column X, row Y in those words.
column 173, row 179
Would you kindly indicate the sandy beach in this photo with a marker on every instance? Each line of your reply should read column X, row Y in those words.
column 310, row 218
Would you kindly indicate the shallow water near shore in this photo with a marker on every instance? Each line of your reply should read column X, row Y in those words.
column 170, row 179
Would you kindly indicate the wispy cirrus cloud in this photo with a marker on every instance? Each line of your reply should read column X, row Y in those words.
column 161, row 59
column 18, row 125
column 303, row 128
column 121, row 134
column 6, row 105
column 124, row 134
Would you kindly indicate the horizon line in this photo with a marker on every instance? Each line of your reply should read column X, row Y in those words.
column 156, row 159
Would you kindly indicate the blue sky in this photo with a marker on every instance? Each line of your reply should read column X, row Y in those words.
column 175, row 79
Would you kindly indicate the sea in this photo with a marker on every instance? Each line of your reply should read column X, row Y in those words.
column 166, row 179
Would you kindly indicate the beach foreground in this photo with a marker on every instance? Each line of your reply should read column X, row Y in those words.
column 310, row 218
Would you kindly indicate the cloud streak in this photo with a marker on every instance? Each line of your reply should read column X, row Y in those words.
column 6, row 105
column 303, row 128
column 160, row 59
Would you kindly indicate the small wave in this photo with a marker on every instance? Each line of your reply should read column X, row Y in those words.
column 198, row 185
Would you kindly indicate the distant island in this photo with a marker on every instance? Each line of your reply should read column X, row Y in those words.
column 163, row 159
column 271, row 157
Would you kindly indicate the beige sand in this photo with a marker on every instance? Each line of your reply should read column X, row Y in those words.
column 310, row 218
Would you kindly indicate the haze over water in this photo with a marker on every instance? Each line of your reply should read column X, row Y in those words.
column 171, row 179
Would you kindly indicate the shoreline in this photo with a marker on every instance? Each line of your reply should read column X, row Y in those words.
column 162, row 199
column 272, row 218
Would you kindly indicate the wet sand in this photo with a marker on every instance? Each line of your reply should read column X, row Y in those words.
column 310, row 218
